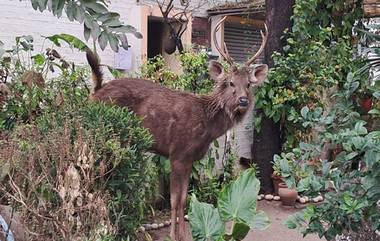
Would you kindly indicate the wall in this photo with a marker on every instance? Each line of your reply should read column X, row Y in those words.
column 153, row 10
column 201, row 34
column 19, row 18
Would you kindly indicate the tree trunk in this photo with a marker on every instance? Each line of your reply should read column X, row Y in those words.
column 267, row 142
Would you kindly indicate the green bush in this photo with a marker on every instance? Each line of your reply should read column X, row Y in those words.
column 317, row 56
column 105, row 146
column 350, row 180
column 315, row 90
column 194, row 77
column 71, row 168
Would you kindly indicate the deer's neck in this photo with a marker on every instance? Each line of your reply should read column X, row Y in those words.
column 218, row 118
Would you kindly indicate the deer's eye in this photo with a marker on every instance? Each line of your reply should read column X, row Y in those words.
column 232, row 84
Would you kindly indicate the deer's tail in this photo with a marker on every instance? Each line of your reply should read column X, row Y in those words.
column 97, row 75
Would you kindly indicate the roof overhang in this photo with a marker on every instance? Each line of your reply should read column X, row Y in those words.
column 254, row 8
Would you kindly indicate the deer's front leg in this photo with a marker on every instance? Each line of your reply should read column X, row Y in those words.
column 174, row 201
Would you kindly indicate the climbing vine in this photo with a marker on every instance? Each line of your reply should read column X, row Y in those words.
column 317, row 56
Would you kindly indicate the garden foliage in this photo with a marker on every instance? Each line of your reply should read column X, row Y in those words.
column 99, row 23
column 351, row 179
column 237, row 204
column 318, row 55
column 331, row 142
column 72, row 169
column 194, row 77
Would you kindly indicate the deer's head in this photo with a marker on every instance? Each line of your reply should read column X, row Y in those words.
column 234, row 85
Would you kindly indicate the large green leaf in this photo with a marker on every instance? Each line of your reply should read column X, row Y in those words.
column 96, row 17
column 259, row 221
column 113, row 41
column 205, row 221
column 103, row 40
column 239, row 231
column 295, row 220
column 70, row 39
column 237, row 201
column 127, row 29
column 96, row 7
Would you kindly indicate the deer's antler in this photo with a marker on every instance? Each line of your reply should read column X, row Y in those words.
column 261, row 49
column 224, row 52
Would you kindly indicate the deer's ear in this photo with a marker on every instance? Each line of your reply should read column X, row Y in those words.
column 216, row 71
column 259, row 74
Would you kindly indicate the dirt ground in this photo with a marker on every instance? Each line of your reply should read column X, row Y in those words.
column 275, row 232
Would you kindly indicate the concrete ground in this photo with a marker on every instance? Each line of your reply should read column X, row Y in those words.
column 275, row 232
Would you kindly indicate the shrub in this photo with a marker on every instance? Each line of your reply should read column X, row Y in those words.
column 80, row 172
column 72, row 168
column 317, row 56
column 350, row 180
column 194, row 77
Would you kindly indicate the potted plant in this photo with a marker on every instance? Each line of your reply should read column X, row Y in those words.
column 288, row 195
column 276, row 175
column 288, row 170
column 366, row 102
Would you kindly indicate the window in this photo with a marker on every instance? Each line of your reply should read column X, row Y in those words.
column 242, row 41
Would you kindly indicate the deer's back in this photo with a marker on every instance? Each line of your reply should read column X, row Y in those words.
column 177, row 120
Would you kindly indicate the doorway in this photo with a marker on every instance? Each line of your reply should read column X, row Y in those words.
column 155, row 34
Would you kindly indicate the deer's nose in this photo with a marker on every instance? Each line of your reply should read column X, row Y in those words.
column 243, row 101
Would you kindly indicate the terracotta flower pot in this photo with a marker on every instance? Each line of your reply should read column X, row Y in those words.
column 276, row 181
column 288, row 195
column 366, row 104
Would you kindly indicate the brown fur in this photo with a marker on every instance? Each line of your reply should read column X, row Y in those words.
column 182, row 124
column 4, row 93
column 97, row 75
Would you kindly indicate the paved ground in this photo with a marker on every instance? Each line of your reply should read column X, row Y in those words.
column 276, row 231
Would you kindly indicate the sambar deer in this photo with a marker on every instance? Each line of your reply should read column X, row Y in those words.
column 183, row 124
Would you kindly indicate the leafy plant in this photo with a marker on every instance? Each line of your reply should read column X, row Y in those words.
column 25, row 74
column 236, row 204
column 205, row 182
column 351, row 179
column 84, row 162
column 92, row 169
column 98, row 22
column 194, row 77
column 286, row 166
column 317, row 57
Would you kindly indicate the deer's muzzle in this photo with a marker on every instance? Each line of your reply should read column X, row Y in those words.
column 243, row 101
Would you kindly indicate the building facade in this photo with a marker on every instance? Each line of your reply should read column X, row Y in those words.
column 18, row 18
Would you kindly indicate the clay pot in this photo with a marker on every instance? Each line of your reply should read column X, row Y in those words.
column 366, row 104
column 288, row 195
column 276, row 181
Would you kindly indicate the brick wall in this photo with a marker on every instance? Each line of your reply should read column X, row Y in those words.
column 201, row 34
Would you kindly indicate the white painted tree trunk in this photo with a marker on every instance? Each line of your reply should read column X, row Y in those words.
column 244, row 136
